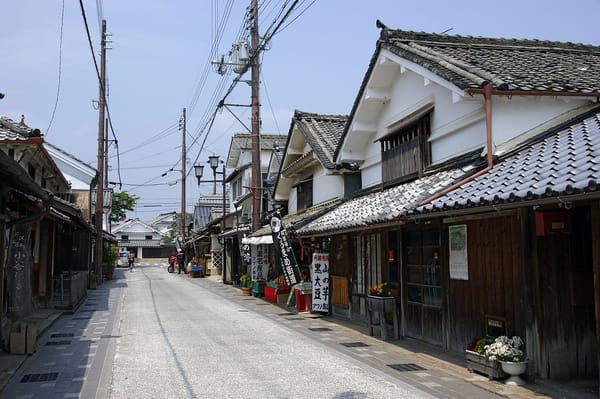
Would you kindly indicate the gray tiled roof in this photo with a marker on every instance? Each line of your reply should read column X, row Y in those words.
column 243, row 142
column 562, row 162
column 509, row 64
column 140, row 243
column 322, row 133
column 11, row 130
column 516, row 65
column 383, row 206
column 297, row 220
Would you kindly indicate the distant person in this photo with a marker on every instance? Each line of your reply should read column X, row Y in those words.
column 180, row 261
column 172, row 260
column 131, row 260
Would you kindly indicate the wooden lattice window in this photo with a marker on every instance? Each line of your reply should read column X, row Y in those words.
column 406, row 152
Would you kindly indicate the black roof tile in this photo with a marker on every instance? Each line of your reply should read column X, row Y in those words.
column 556, row 163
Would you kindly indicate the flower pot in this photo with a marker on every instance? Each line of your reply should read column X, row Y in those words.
column 514, row 370
column 247, row 291
column 479, row 363
column 380, row 304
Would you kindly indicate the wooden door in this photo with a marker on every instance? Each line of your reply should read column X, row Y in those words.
column 422, row 284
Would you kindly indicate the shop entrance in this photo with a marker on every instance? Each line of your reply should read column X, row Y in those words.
column 422, row 284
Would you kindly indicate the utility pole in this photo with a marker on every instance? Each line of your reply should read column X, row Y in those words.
column 256, row 167
column 183, row 173
column 101, row 177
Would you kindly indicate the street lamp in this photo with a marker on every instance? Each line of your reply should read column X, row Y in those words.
column 213, row 161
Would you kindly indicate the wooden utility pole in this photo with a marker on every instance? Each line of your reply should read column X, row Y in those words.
column 100, row 171
column 256, row 167
column 183, row 173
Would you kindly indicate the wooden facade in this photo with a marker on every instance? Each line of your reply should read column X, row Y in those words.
column 495, row 279
column 540, row 287
column 565, row 316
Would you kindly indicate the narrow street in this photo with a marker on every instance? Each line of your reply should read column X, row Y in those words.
column 151, row 334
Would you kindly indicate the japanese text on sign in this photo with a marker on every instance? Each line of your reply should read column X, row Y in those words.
column 285, row 252
column 320, row 282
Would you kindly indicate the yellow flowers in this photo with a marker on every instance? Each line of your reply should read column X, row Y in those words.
column 380, row 290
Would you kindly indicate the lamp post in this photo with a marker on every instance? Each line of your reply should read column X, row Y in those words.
column 214, row 161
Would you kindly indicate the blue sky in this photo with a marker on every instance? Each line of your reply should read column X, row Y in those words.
column 159, row 63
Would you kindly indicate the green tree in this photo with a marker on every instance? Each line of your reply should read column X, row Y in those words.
column 171, row 234
column 121, row 203
column 174, row 230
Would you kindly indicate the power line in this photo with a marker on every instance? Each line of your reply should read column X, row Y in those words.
column 62, row 21
column 87, row 30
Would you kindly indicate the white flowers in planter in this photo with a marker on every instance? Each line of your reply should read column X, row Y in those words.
column 505, row 349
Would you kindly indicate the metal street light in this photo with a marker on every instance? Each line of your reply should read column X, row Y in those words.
column 213, row 161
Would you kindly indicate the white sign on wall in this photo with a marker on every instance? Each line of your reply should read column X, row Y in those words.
column 259, row 262
column 320, row 282
column 459, row 261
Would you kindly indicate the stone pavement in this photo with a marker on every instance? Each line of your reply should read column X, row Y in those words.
column 9, row 363
column 437, row 368
column 71, row 350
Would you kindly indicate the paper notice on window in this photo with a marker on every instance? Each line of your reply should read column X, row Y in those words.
column 459, row 262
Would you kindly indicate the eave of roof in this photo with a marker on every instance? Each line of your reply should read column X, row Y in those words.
column 383, row 207
column 555, row 166
column 512, row 66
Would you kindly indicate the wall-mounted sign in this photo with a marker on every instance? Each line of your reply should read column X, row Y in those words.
column 259, row 262
column 320, row 282
column 459, row 261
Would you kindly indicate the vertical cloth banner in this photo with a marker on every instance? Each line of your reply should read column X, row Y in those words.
column 320, row 282
column 285, row 252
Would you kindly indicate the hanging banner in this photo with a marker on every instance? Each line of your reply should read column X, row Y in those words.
column 320, row 282
column 260, row 262
column 284, row 250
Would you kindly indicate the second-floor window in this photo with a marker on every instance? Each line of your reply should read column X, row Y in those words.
column 31, row 171
column 148, row 237
column 304, row 192
column 406, row 152
column 125, row 237
column 236, row 189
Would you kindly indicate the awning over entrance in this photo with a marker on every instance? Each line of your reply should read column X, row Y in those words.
column 266, row 239
column 294, row 221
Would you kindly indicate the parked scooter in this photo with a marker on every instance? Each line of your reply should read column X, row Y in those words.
column 172, row 260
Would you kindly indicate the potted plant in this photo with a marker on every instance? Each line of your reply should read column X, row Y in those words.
column 246, row 281
column 110, row 257
column 478, row 362
column 380, row 298
column 508, row 352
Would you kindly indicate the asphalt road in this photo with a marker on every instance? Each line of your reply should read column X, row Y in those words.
column 152, row 334
column 191, row 339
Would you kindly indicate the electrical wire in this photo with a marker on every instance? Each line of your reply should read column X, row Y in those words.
column 298, row 16
column 275, row 26
column 264, row 83
column 87, row 30
column 207, row 120
column 62, row 22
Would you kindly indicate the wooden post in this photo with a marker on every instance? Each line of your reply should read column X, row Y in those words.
column 596, row 264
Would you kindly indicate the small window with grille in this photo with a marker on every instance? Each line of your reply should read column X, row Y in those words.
column 406, row 152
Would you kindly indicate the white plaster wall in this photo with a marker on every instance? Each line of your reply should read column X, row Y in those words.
column 245, row 158
column 327, row 187
column 293, row 201
column 457, row 127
